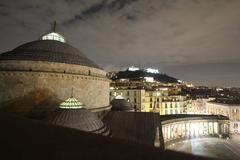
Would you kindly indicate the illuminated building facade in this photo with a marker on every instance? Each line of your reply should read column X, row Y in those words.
column 149, row 91
column 153, row 101
column 230, row 110
column 157, row 101
column 175, row 104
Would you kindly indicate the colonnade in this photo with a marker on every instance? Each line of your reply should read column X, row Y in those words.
column 194, row 128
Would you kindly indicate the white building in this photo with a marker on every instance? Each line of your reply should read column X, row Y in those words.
column 230, row 110
column 198, row 106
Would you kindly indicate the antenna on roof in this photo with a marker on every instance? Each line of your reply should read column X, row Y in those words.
column 54, row 35
column 72, row 93
column 54, row 26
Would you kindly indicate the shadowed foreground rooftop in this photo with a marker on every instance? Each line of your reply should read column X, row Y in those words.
column 22, row 138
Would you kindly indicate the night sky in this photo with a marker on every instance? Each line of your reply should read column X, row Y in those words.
column 194, row 40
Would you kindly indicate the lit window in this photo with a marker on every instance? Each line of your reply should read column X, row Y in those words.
column 235, row 125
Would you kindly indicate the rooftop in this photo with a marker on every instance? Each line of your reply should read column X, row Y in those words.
column 138, row 127
column 50, row 51
column 227, row 102
column 38, row 141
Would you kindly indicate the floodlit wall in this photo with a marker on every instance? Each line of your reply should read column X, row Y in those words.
column 28, row 85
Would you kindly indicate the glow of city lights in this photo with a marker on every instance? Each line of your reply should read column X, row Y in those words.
column 180, row 81
column 164, row 89
column 151, row 70
column 149, row 79
column 132, row 68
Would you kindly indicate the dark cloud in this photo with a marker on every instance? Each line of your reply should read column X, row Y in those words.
column 120, row 4
column 101, row 6
column 195, row 40
column 96, row 8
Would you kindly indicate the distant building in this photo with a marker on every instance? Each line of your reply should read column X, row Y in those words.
column 227, row 109
column 153, row 100
column 149, row 91
column 175, row 104
column 198, row 106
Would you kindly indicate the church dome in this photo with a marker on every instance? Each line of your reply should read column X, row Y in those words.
column 72, row 114
column 36, row 76
column 120, row 104
column 50, row 51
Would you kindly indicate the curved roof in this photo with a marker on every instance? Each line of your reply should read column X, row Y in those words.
column 81, row 119
column 72, row 114
column 121, row 105
column 183, row 117
column 48, row 50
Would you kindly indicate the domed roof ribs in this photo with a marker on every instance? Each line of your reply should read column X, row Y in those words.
column 52, row 47
column 72, row 93
column 49, row 50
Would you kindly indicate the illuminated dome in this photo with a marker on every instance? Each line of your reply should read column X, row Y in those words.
column 72, row 114
column 48, row 50
column 71, row 103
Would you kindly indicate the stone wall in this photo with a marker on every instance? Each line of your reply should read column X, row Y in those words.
column 44, row 66
column 46, row 85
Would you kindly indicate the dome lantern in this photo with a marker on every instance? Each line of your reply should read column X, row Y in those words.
column 71, row 103
column 54, row 35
